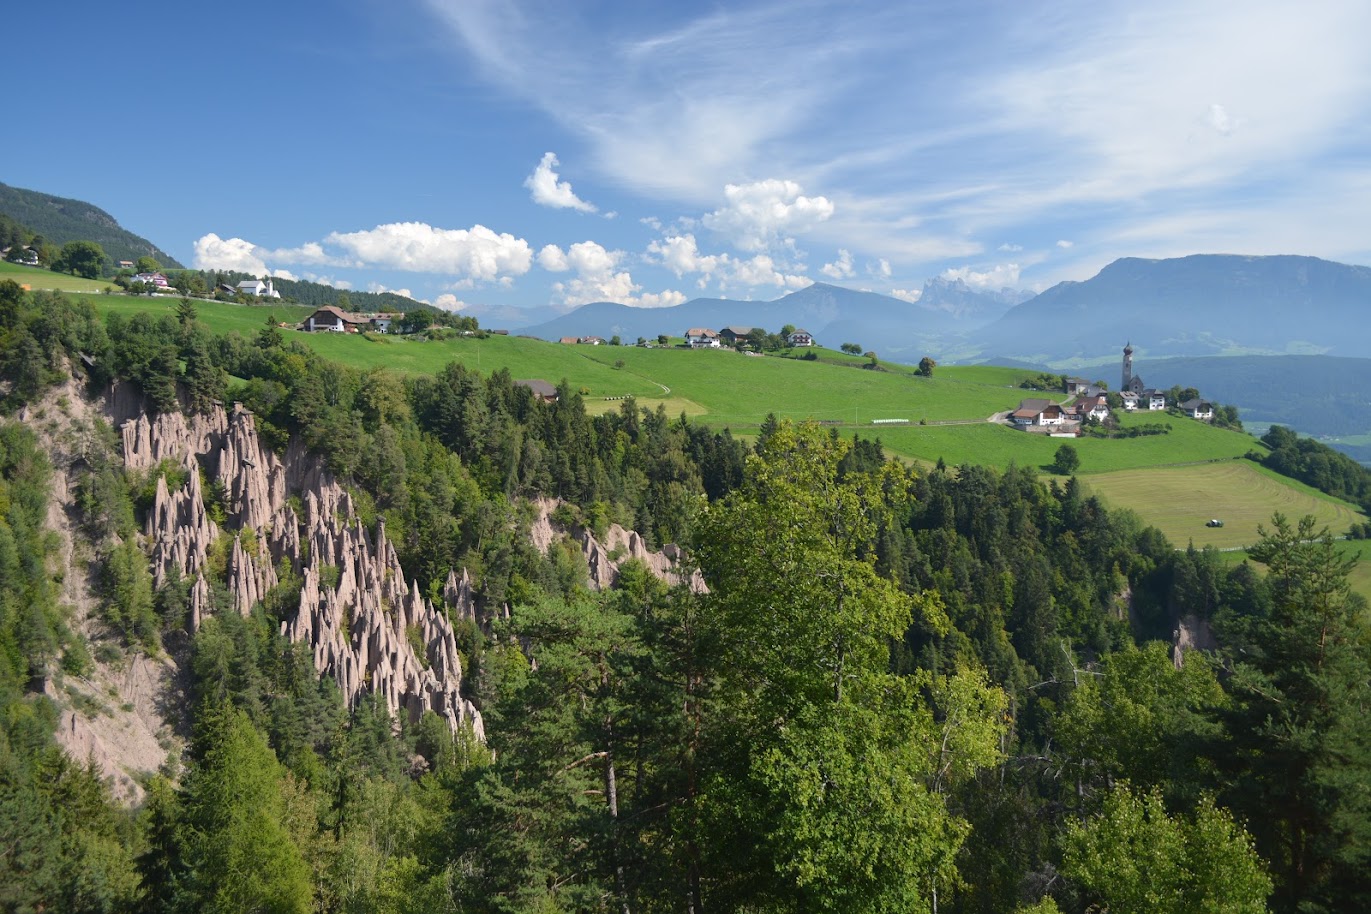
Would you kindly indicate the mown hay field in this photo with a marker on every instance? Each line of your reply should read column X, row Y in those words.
column 1179, row 500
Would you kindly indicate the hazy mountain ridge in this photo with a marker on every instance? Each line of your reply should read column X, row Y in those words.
column 1204, row 304
column 832, row 313
column 59, row 220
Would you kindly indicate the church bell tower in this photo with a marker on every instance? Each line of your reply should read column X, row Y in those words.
column 1127, row 365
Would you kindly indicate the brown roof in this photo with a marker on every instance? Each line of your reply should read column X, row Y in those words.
column 347, row 316
column 700, row 331
column 569, row 339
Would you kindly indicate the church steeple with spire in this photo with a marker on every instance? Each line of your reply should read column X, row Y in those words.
column 1127, row 365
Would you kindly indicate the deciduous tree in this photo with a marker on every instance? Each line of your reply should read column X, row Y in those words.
column 82, row 258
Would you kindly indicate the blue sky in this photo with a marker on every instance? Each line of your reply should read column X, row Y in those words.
column 488, row 153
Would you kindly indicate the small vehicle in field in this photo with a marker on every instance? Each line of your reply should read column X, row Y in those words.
column 1213, row 522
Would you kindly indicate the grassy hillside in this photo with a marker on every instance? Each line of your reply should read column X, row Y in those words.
column 1179, row 500
column 60, row 220
column 37, row 278
column 1360, row 578
column 1176, row 481
column 727, row 388
column 221, row 317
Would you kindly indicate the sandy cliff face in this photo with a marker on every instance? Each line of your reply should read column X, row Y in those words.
column 119, row 715
column 368, row 627
column 372, row 631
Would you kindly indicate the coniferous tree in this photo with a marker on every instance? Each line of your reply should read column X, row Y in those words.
column 1297, row 757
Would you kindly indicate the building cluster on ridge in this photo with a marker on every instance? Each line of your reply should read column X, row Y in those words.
column 1091, row 401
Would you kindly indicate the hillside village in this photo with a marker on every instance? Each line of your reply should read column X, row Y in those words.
column 1093, row 402
column 737, row 337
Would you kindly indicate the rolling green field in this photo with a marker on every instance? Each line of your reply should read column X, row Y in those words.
column 998, row 445
column 220, row 317
column 36, row 278
column 1175, row 481
column 1360, row 578
column 1178, row 501
column 726, row 388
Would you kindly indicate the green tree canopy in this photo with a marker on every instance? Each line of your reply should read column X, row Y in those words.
column 1297, row 760
column 826, row 789
column 1066, row 461
column 1134, row 857
column 82, row 258
column 234, row 844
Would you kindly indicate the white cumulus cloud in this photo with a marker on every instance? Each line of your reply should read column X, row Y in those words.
column 997, row 277
column 762, row 214
column 553, row 259
column 547, row 190
column 840, row 268
column 909, row 295
column 382, row 287
column 598, row 277
column 236, row 254
column 1064, row 244
column 762, row 270
column 329, row 281
column 449, row 302
column 311, row 252
column 476, row 253
column 681, row 254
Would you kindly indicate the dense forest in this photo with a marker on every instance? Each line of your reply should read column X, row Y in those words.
column 949, row 690
column 1318, row 465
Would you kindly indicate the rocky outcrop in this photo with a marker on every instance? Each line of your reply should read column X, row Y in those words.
column 370, row 629
column 1192, row 634
column 603, row 560
column 170, row 436
column 179, row 529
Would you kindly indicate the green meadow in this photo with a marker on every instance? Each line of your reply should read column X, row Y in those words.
column 220, row 317
column 37, row 278
column 1179, row 500
column 1175, row 481
column 1360, row 578
column 726, row 388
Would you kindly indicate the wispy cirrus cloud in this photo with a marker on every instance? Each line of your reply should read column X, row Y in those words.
column 937, row 133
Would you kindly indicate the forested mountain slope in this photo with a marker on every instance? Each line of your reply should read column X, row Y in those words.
column 60, row 220
column 895, row 690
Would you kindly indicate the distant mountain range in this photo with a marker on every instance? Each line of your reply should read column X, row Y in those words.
column 938, row 320
column 1203, row 305
column 60, row 220
column 1206, row 304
